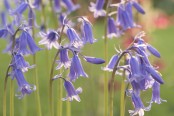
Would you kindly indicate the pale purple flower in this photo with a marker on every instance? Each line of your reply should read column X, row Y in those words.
column 7, row 5
column 20, row 9
column 112, row 30
column 112, row 62
column 57, row 6
column 25, row 40
column 23, row 86
column 87, row 32
column 72, row 93
column 94, row 60
column 156, row 94
column 37, row 4
column 63, row 59
column 50, row 39
column 74, row 38
column 138, row 105
column 76, row 69
column 20, row 63
column 97, row 8
column 70, row 5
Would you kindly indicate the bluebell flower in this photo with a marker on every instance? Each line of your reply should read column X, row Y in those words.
column 153, row 51
column 125, row 16
column 112, row 30
column 71, row 92
column 156, row 94
column 155, row 74
column 87, row 32
column 112, row 62
column 97, row 8
column 3, row 19
column 36, row 4
column 23, row 86
column 7, row 5
column 63, row 59
column 25, row 40
column 57, row 6
column 49, row 39
column 20, row 9
column 31, row 18
column 76, row 69
column 3, row 33
column 70, row 5
column 74, row 38
column 135, row 69
column 138, row 105
column 19, row 63
column 137, row 6
column 94, row 60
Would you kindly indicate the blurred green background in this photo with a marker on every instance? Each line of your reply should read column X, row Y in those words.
column 160, row 35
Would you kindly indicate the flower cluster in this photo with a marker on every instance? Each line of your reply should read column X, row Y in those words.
column 141, row 74
column 124, row 13
column 72, row 45
column 20, row 44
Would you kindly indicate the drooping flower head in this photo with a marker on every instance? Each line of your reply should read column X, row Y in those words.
column 72, row 93
column 97, row 8
column 25, row 41
column 156, row 94
column 87, row 32
column 76, row 69
column 112, row 30
column 74, row 38
column 49, row 39
column 125, row 15
column 63, row 59
column 23, row 86
column 70, row 5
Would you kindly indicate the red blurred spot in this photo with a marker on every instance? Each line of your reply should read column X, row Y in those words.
column 162, row 21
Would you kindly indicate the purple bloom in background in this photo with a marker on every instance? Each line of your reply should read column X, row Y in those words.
column 31, row 18
column 125, row 16
column 20, row 63
column 76, row 69
column 87, row 32
column 37, row 4
column 138, row 105
column 57, row 6
column 94, row 60
column 20, row 9
column 7, row 5
column 63, row 59
column 112, row 30
column 3, row 19
column 156, row 94
column 49, row 39
column 74, row 38
column 23, row 86
column 97, row 8
column 138, row 7
column 70, row 5
column 71, row 92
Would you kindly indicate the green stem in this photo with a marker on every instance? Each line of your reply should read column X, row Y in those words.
column 5, row 93
column 11, row 85
column 60, row 92
column 51, row 76
column 11, row 98
column 122, row 96
column 106, row 59
column 112, row 84
column 37, row 97
column 68, row 108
